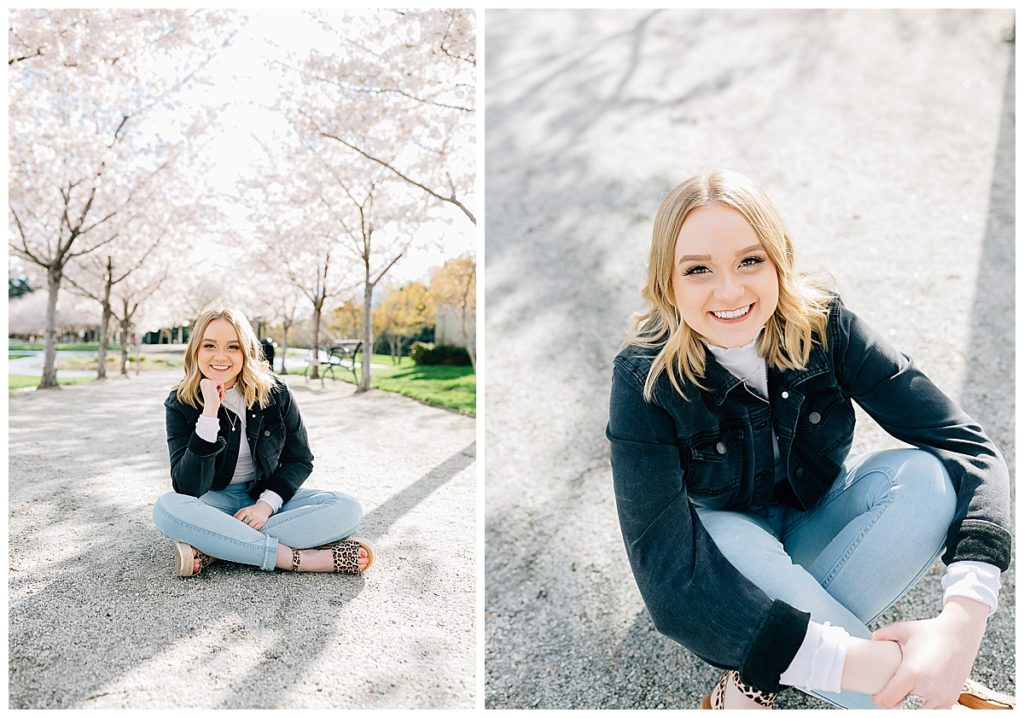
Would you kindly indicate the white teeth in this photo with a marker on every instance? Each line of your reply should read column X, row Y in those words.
column 219, row 368
column 734, row 314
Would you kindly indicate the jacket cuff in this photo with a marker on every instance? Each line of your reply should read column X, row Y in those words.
column 774, row 646
column 280, row 487
column 202, row 448
column 978, row 540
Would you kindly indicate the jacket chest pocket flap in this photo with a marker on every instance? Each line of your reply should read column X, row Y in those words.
column 714, row 463
column 270, row 441
column 827, row 412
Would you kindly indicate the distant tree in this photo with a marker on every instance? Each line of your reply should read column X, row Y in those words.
column 400, row 95
column 18, row 286
column 404, row 313
column 454, row 285
column 346, row 320
column 81, row 86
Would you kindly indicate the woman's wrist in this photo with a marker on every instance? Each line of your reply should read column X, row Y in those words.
column 870, row 664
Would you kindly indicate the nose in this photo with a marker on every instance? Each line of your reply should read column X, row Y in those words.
column 729, row 288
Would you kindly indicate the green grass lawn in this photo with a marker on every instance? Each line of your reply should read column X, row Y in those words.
column 77, row 347
column 26, row 381
column 17, row 355
column 449, row 387
column 170, row 360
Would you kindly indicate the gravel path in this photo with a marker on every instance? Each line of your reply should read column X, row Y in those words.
column 98, row 618
column 886, row 140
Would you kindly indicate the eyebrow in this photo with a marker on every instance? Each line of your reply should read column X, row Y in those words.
column 214, row 341
column 707, row 257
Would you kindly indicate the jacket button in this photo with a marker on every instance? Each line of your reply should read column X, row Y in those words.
column 785, row 395
column 799, row 471
column 814, row 417
column 266, row 433
column 720, row 447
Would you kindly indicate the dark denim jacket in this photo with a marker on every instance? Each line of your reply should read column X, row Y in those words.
column 277, row 442
column 715, row 450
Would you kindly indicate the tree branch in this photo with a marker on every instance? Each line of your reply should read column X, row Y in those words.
column 383, row 163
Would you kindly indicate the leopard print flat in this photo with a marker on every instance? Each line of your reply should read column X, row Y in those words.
column 346, row 554
column 715, row 700
column 185, row 556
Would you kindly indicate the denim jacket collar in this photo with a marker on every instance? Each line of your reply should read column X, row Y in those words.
column 720, row 381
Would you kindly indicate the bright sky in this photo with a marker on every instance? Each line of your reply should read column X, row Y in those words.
column 241, row 77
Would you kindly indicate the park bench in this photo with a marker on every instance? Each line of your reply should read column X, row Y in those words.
column 341, row 354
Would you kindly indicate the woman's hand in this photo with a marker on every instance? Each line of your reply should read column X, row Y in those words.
column 213, row 395
column 938, row 654
column 257, row 515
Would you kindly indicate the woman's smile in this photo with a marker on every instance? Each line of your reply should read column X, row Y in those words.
column 733, row 316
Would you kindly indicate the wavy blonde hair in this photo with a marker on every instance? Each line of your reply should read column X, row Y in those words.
column 799, row 319
column 255, row 381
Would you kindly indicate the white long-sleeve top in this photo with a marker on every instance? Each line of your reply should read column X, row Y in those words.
column 207, row 428
column 818, row 664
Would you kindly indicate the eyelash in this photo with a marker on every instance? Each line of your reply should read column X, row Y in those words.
column 754, row 260
column 210, row 346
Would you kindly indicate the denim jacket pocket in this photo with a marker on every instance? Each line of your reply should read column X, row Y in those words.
column 827, row 415
column 714, row 466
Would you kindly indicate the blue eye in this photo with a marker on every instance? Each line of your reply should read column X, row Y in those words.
column 696, row 269
column 752, row 261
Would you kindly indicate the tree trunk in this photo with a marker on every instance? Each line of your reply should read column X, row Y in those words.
column 101, row 371
column 49, row 379
column 284, row 348
column 395, row 342
column 314, row 373
column 364, row 382
column 124, row 345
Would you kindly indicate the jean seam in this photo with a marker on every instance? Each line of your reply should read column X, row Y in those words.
column 885, row 470
column 859, row 538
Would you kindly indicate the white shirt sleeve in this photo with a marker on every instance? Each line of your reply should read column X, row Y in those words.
column 818, row 664
column 972, row 579
column 207, row 428
column 272, row 498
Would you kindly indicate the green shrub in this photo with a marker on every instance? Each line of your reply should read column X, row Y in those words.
column 443, row 355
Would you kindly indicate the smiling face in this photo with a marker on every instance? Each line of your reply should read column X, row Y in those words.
column 724, row 285
column 220, row 353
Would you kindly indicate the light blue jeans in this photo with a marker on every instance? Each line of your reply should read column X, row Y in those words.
column 875, row 533
column 310, row 518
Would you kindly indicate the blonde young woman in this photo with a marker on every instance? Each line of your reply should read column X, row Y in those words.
column 755, row 540
column 239, row 454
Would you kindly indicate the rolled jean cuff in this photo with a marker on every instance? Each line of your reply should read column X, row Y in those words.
column 269, row 554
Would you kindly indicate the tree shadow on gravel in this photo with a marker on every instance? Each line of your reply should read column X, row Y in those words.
column 98, row 618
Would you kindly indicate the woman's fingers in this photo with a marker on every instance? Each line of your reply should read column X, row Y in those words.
column 896, row 689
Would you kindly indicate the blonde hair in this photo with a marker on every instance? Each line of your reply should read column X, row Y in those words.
column 255, row 380
column 799, row 319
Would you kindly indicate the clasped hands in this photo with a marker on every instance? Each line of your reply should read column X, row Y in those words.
column 938, row 654
column 255, row 516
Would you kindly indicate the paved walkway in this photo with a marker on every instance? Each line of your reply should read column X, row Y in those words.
column 886, row 140
column 98, row 618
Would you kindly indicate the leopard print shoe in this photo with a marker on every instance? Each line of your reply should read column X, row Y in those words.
column 346, row 554
column 715, row 700
column 184, row 559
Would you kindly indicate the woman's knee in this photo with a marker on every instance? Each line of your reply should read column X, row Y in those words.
column 920, row 477
column 171, row 506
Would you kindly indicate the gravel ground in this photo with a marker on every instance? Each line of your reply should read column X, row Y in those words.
column 98, row 618
column 886, row 140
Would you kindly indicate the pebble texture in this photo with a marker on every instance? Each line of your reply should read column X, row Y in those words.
column 886, row 140
column 99, row 619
